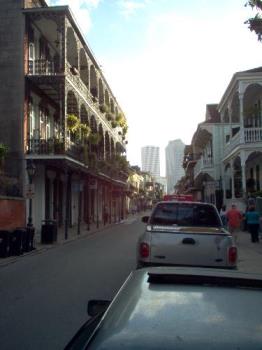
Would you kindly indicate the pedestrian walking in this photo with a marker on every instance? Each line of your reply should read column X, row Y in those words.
column 253, row 223
column 223, row 216
column 234, row 218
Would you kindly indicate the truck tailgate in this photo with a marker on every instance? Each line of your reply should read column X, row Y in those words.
column 185, row 247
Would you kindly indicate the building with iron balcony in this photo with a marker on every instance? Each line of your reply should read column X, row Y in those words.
column 59, row 112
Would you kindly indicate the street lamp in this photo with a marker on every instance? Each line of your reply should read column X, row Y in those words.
column 30, row 168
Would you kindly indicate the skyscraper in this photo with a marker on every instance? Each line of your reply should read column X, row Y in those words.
column 151, row 160
column 174, row 160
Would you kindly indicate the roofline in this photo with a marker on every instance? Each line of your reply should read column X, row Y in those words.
column 245, row 75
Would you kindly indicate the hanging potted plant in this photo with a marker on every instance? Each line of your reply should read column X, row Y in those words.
column 72, row 123
column 109, row 116
column 121, row 120
column 114, row 124
column 94, row 138
column 103, row 108
column 85, row 131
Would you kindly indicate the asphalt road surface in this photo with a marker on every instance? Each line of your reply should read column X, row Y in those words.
column 44, row 296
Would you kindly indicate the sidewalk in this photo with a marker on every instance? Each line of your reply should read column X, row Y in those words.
column 249, row 254
column 72, row 236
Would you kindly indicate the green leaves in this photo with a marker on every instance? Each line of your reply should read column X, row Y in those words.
column 3, row 151
column 94, row 138
column 103, row 108
column 72, row 123
column 85, row 130
column 254, row 3
column 80, row 130
column 255, row 23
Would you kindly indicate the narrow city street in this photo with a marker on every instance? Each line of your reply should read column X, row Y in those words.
column 44, row 295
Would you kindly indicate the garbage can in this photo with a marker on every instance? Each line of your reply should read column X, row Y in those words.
column 17, row 238
column 48, row 231
column 4, row 243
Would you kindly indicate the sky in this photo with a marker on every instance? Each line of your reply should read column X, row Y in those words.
column 165, row 60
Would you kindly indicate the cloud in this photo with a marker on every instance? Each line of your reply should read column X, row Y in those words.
column 81, row 10
column 129, row 7
column 185, row 64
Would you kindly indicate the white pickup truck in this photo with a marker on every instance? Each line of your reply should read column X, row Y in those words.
column 187, row 234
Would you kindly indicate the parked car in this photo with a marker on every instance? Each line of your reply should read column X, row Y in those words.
column 177, row 308
column 185, row 233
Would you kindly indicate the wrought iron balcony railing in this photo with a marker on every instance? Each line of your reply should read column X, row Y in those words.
column 54, row 146
column 42, row 67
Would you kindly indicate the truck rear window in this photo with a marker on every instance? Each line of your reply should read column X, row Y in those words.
column 185, row 215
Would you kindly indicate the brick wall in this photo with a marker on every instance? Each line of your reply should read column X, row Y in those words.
column 12, row 214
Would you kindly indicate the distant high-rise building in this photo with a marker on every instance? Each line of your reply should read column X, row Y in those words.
column 174, row 160
column 151, row 160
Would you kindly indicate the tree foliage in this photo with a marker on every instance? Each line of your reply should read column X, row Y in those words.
column 255, row 23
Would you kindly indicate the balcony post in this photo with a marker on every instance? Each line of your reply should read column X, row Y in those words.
column 223, row 184
column 230, row 115
column 243, row 172
column 97, row 204
column 67, row 202
column 88, row 203
column 233, row 179
column 241, row 116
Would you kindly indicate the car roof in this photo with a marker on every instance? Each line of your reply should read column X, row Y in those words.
column 159, row 308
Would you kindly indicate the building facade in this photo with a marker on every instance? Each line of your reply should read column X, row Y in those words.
column 59, row 114
column 150, row 157
column 224, row 161
column 174, row 163
column 240, row 108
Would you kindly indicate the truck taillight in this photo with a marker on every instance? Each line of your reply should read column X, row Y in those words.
column 144, row 250
column 232, row 255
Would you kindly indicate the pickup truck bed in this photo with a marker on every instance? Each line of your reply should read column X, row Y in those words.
column 208, row 246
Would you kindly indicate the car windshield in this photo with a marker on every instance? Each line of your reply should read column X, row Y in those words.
column 111, row 110
column 199, row 215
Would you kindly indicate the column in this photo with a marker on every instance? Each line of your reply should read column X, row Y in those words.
column 233, row 179
column 241, row 117
column 243, row 172
column 97, row 204
column 110, row 203
column 51, row 175
column 223, row 183
column 87, row 203
column 67, row 201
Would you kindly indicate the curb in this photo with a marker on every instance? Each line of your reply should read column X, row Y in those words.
column 40, row 248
